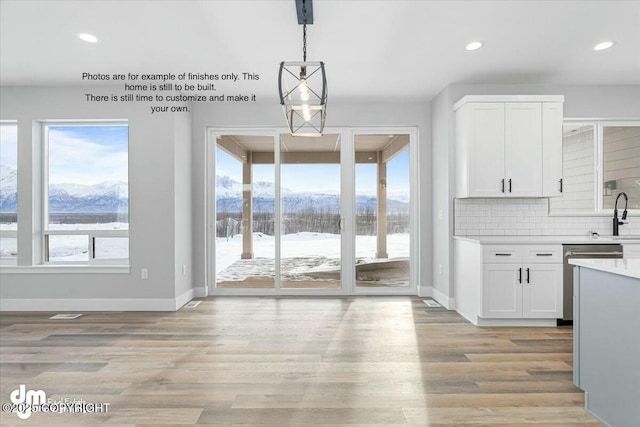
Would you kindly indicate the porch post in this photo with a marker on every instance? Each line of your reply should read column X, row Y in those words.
column 247, row 208
column 382, row 209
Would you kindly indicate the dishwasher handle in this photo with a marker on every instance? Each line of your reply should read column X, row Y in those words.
column 596, row 254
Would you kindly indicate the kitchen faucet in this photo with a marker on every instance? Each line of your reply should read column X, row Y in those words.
column 616, row 223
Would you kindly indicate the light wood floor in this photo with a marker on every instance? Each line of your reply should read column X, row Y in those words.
column 366, row 361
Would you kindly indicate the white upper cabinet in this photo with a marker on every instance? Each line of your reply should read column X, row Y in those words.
column 509, row 146
column 552, row 149
column 523, row 149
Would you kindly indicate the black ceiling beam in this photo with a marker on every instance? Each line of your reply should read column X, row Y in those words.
column 309, row 7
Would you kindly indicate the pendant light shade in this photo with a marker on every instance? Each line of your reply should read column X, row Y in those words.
column 303, row 85
column 303, row 96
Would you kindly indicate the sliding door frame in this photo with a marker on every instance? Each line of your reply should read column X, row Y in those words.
column 347, row 202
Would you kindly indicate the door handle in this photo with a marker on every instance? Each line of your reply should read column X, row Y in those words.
column 502, row 188
column 528, row 276
column 520, row 275
column 509, row 185
column 561, row 189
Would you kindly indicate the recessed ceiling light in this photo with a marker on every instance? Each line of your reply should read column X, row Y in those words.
column 89, row 38
column 474, row 45
column 603, row 45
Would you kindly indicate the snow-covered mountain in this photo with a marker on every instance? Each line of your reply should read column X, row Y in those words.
column 112, row 196
column 105, row 197
column 8, row 188
column 229, row 199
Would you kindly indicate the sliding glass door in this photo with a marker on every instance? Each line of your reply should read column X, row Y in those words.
column 383, row 214
column 310, row 188
column 245, row 239
column 311, row 215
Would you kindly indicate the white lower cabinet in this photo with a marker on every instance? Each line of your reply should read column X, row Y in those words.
column 501, row 292
column 522, row 291
column 542, row 291
column 514, row 284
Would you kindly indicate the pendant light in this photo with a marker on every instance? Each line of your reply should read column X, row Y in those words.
column 303, row 85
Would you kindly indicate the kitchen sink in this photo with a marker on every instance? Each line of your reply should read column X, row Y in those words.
column 625, row 237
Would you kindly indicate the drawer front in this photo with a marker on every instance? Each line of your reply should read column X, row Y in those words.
column 548, row 254
column 501, row 254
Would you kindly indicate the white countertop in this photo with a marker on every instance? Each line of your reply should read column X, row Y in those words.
column 549, row 240
column 623, row 267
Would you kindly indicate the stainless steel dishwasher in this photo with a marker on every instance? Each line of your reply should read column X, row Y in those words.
column 582, row 251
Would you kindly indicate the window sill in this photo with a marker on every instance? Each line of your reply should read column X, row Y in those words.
column 65, row 269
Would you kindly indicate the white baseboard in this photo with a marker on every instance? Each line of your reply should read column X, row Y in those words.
column 96, row 304
column 201, row 291
column 431, row 292
column 444, row 300
column 425, row 291
column 101, row 304
column 183, row 298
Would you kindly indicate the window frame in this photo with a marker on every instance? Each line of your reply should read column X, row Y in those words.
column 12, row 234
column 598, row 166
column 91, row 234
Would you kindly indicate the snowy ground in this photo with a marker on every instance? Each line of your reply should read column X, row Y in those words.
column 306, row 245
column 313, row 258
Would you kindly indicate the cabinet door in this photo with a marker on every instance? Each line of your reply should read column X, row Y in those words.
column 552, row 149
column 542, row 291
column 523, row 149
column 486, row 149
column 501, row 291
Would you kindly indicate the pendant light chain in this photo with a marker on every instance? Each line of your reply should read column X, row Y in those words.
column 304, row 31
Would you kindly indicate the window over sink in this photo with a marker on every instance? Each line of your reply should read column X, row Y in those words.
column 601, row 159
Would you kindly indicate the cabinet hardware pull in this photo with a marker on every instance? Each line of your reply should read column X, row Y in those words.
column 561, row 190
column 498, row 254
column 544, row 254
column 528, row 276
column 509, row 185
column 502, row 185
column 520, row 275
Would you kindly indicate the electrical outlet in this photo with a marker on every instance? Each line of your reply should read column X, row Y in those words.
column 145, row 273
column 184, row 270
column 440, row 269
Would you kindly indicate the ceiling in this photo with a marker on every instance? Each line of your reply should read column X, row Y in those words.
column 373, row 50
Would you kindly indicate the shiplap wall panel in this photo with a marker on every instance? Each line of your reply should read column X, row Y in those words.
column 621, row 161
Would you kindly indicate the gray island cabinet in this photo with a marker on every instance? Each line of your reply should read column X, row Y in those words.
column 606, row 345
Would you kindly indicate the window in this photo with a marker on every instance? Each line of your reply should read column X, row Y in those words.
column 8, row 192
column 600, row 160
column 86, row 209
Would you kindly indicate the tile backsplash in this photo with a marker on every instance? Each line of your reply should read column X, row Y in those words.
column 528, row 217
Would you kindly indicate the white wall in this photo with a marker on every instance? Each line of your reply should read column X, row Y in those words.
column 182, row 205
column 442, row 214
column 158, row 146
column 338, row 115
column 613, row 102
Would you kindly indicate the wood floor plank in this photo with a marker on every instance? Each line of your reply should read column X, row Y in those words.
column 361, row 361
